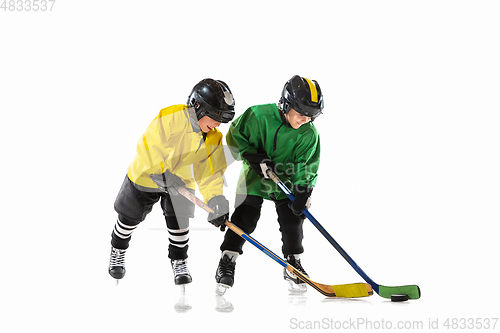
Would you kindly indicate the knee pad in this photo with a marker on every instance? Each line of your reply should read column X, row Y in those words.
column 246, row 218
column 289, row 222
column 177, row 205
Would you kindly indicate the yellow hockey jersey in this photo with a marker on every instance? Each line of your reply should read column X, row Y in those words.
column 174, row 142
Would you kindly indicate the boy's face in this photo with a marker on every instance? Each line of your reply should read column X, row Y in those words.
column 207, row 124
column 295, row 119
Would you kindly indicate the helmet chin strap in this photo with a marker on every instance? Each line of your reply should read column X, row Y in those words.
column 284, row 119
column 283, row 114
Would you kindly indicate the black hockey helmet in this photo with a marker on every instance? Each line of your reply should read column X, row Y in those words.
column 302, row 95
column 212, row 98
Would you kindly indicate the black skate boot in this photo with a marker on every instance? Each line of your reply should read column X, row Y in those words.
column 181, row 272
column 295, row 285
column 117, row 263
column 224, row 275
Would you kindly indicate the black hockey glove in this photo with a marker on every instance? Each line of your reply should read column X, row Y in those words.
column 220, row 206
column 168, row 182
column 260, row 163
column 302, row 200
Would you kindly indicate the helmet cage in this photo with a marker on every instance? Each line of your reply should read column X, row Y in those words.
column 202, row 108
column 296, row 96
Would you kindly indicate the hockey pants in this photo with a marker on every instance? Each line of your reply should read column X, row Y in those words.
column 246, row 216
column 133, row 205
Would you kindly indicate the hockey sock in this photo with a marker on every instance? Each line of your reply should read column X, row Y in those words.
column 178, row 237
column 121, row 235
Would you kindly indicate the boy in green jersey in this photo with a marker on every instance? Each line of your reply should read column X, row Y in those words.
column 281, row 138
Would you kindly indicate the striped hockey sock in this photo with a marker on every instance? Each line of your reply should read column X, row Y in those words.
column 123, row 231
column 178, row 237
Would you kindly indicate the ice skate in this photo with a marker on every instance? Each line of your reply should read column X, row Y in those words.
column 181, row 272
column 117, row 264
column 225, row 272
column 295, row 285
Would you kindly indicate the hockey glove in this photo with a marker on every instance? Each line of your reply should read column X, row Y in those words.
column 302, row 200
column 220, row 206
column 168, row 182
column 260, row 163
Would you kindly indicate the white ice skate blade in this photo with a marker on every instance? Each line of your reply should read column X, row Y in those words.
column 294, row 288
column 183, row 289
column 182, row 304
column 220, row 289
column 222, row 305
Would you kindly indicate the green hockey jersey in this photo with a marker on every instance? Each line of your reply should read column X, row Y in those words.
column 295, row 152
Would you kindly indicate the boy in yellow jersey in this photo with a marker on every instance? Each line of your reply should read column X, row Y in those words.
column 181, row 142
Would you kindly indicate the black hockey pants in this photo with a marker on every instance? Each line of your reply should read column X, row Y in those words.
column 246, row 216
column 133, row 205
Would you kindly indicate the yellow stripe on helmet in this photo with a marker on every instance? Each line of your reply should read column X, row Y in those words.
column 314, row 92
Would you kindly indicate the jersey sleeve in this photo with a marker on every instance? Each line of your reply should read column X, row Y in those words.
column 307, row 158
column 239, row 138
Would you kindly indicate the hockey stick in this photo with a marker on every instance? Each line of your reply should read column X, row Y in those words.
column 352, row 290
column 413, row 291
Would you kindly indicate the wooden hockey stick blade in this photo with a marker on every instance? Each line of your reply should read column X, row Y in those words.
column 413, row 291
column 353, row 290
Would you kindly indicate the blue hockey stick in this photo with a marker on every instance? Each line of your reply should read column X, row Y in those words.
column 413, row 291
column 351, row 290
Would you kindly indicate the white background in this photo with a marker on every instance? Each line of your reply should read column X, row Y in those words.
column 408, row 185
